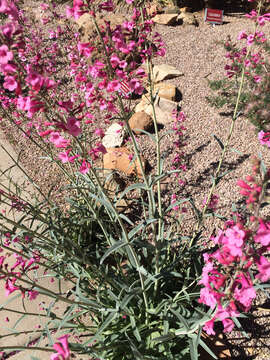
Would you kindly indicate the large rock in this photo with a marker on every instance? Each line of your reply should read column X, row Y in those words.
column 121, row 159
column 87, row 28
column 140, row 121
column 187, row 19
column 114, row 136
column 172, row 10
column 165, row 90
column 145, row 101
column 165, row 19
column 164, row 71
column 163, row 110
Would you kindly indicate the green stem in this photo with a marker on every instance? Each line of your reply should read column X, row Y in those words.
column 5, row 348
column 45, row 290
column 28, row 313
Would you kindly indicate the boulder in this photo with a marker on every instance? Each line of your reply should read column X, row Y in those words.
column 165, row 90
column 165, row 19
column 114, row 136
column 163, row 110
column 140, row 121
column 87, row 28
column 187, row 19
column 121, row 159
column 145, row 101
column 171, row 10
column 164, row 71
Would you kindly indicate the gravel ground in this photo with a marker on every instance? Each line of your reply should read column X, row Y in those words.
column 195, row 52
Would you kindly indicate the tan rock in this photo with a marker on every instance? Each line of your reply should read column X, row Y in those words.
column 120, row 159
column 114, row 136
column 145, row 101
column 165, row 19
column 171, row 10
column 165, row 90
column 140, row 121
column 164, row 71
column 163, row 110
column 187, row 19
column 87, row 28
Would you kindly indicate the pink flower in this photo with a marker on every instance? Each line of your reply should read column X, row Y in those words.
column 136, row 86
column 84, row 168
column 235, row 240
column 250, row 39
column 58, row 140
column 8, row 29
column 242, row 35
column 3, row 6
column 113, row 86
column 34, row 79
column 10, row 83
column 263, row 233
column 73, row 126
column 99, row 132
column 264, row 269
column 62, row 348
column 244, row 292
column 207, row 297
column 63, row 156
column 209, row 327
column 129, row 2
column 107, row 6
column 32, row 294
column 85, row 49
column 114, row 60
column 10, row 287
column 5, row 55
column 264, row 138
column 228, row 325
column 257, row 78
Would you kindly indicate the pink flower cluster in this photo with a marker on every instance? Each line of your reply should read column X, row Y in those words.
column 31, row 89
column 239, row 58
column 12, row 273
column 228, row 272
column 238, row 263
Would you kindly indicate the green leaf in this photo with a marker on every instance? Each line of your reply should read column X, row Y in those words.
column 104, row 325
column 19, row 320
column 206, row 348
column 236, row 151
column 192, row 346
column 181, row 319
column 118, row 245
column 132, row 187
column 139, row 227
column 164, row 338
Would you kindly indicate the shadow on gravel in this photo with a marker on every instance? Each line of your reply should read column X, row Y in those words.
column 227, row 166
column 252, row 347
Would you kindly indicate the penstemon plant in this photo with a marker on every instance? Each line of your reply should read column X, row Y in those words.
column 137, row 288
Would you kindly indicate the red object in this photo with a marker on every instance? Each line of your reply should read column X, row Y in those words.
column 124, row 89
column 213, row 16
